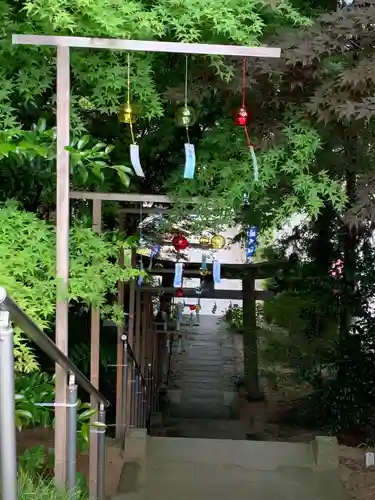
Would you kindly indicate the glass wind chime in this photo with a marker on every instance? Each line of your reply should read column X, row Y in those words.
column 185, row 117
column 242, row 117
column 127, row 115
column 212, row 244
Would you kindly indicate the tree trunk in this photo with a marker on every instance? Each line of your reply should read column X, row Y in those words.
column 250, row 340
column 347, row 305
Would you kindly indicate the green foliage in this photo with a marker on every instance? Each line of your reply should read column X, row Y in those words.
column 234, row 318
column 33, row 460
column 288, row 182
column 85, row 423
column 79, row 354
column 100, row 76
column 329, row 80
column 31, row 486
column 309, row 345
column 32, row 391
column 35, row 394
column 29, row 164
column 28, row 267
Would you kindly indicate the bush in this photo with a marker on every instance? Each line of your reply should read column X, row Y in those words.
column 234, row 318
column 28, row 267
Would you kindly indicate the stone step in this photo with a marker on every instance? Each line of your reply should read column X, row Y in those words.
column 198, row 393
column 202, row 364
column 199, row 410
column 254, row 455
column 290, row 484
column 200, row 384
column 207, row 428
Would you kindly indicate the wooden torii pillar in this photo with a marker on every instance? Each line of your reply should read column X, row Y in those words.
column 63, row 44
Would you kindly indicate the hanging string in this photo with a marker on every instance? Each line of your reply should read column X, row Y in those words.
column 140, row 279
column 186, row 96
column 128, row 102
column 243, row 80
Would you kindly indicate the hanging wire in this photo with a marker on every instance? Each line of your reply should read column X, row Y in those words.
column 128, row 102
column 140, row 242
column 186, row 95
column 243, row 80
column 248, row 141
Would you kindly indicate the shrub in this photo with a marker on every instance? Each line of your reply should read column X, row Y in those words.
column 28, row 266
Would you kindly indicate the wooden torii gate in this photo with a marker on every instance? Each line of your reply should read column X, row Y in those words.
column 63, row 44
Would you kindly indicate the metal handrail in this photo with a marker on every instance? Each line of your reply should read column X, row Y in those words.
column 134, row 359
column 34, row 333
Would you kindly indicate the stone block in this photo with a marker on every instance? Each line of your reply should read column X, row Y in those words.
column 133, row 471
column 326, row 452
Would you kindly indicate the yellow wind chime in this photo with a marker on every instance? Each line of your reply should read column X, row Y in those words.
column 185, row 117
column 127, row 115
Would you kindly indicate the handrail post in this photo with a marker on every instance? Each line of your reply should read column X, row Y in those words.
column 139, row 401
column 71, row 445
column 148, row 393
column 8, row 452
column 101, row 453
column 133, row 396
column 125, row 369
column 144, row 406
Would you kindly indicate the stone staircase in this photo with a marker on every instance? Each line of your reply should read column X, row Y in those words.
column 205, row 455
column 202, row 384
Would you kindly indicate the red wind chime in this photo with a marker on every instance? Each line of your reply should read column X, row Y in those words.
column 242, row 117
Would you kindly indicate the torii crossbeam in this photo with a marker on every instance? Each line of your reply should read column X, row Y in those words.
column 63, row 44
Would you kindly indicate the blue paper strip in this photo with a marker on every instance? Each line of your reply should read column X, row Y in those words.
column 177, row 283
column 189, row 161
column 204, row 262
column 216, row 271
column 251, row 245
column 155, row 250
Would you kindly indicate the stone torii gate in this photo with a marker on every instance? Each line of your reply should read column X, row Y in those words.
column 63, row 44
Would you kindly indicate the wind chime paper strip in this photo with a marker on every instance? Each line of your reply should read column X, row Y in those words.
column 155, row 250
column 189, row 161
column 179, row 309
column 252, row 234
column 140, row 278
column 255, row 163
column 204, row 262
column 216, row 271
column 134, row 158
column 177, row 283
